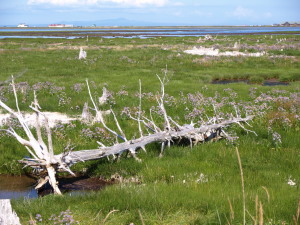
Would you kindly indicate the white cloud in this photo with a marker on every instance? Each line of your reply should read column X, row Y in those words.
column 138, row 3
column 54, row 2
column 242, row 12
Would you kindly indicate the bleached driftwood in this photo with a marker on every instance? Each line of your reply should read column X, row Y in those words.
column 216, row 52
column 87, row 116
column 236, row 45
column 103, row 99
column 35, row 146
column 82, row 54
column 7, row 215
column 54, row 118
column 44, row 161
column 183, row 134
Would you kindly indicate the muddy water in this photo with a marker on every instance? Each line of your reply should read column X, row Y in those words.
column 76, row 186
column 12, row 187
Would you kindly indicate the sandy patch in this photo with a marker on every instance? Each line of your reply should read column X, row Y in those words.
column 216, row 52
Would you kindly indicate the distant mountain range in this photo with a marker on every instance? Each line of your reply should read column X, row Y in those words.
column 114, row 22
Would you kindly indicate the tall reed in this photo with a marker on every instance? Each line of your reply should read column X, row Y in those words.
column 243, row 185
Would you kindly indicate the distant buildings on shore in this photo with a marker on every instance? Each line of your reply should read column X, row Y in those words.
column 60, row 25
column 22, row 25
column 50, row 25
column 287, row 24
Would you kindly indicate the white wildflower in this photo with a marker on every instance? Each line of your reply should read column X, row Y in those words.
column 202, row 179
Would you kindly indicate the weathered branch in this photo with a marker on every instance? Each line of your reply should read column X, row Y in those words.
column 118, row 125
column 160, row 101
column 210, row 131
column 99, row 115
column 37, row 148
column 140, row 109
column 37, row 108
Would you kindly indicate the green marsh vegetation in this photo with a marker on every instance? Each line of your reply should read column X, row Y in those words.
column 187, row 186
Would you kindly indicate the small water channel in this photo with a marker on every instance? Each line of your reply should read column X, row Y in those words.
column 14, row 187
column 265, row 83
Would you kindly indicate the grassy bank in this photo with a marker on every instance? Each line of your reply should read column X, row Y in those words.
column 187, row 186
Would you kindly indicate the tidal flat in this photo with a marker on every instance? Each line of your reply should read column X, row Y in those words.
column 201, row 185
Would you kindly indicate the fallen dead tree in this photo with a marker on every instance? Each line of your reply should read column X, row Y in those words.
column 47, row 164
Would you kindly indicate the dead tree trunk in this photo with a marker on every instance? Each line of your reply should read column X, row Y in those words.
column 193, row 135
column 43, row 158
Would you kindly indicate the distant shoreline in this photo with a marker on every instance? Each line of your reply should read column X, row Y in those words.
column 143, row 32
column 138, row 27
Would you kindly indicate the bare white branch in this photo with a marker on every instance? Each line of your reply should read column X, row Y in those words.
column 99, row 116
column 160, row 101
column 118, row 125
column 140, row 109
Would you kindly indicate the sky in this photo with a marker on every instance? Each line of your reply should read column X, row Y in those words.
column 157, row 12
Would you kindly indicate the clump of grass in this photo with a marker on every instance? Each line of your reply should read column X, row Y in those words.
column 205, row 78
column 289, row 77
column 297, row 215
column 243, row 185
column 256, row 79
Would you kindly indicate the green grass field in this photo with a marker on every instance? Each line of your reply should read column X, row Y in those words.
column 186, row 186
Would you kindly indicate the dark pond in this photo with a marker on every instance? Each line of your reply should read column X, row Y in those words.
column 265, row 83
column 229, row 81
column 274, row 83
column 13, row 187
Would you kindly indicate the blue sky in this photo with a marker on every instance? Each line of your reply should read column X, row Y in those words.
column 163, row 12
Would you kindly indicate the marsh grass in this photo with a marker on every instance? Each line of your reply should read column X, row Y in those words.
column 186, row 186
column 108, row 64
column 169, row 192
